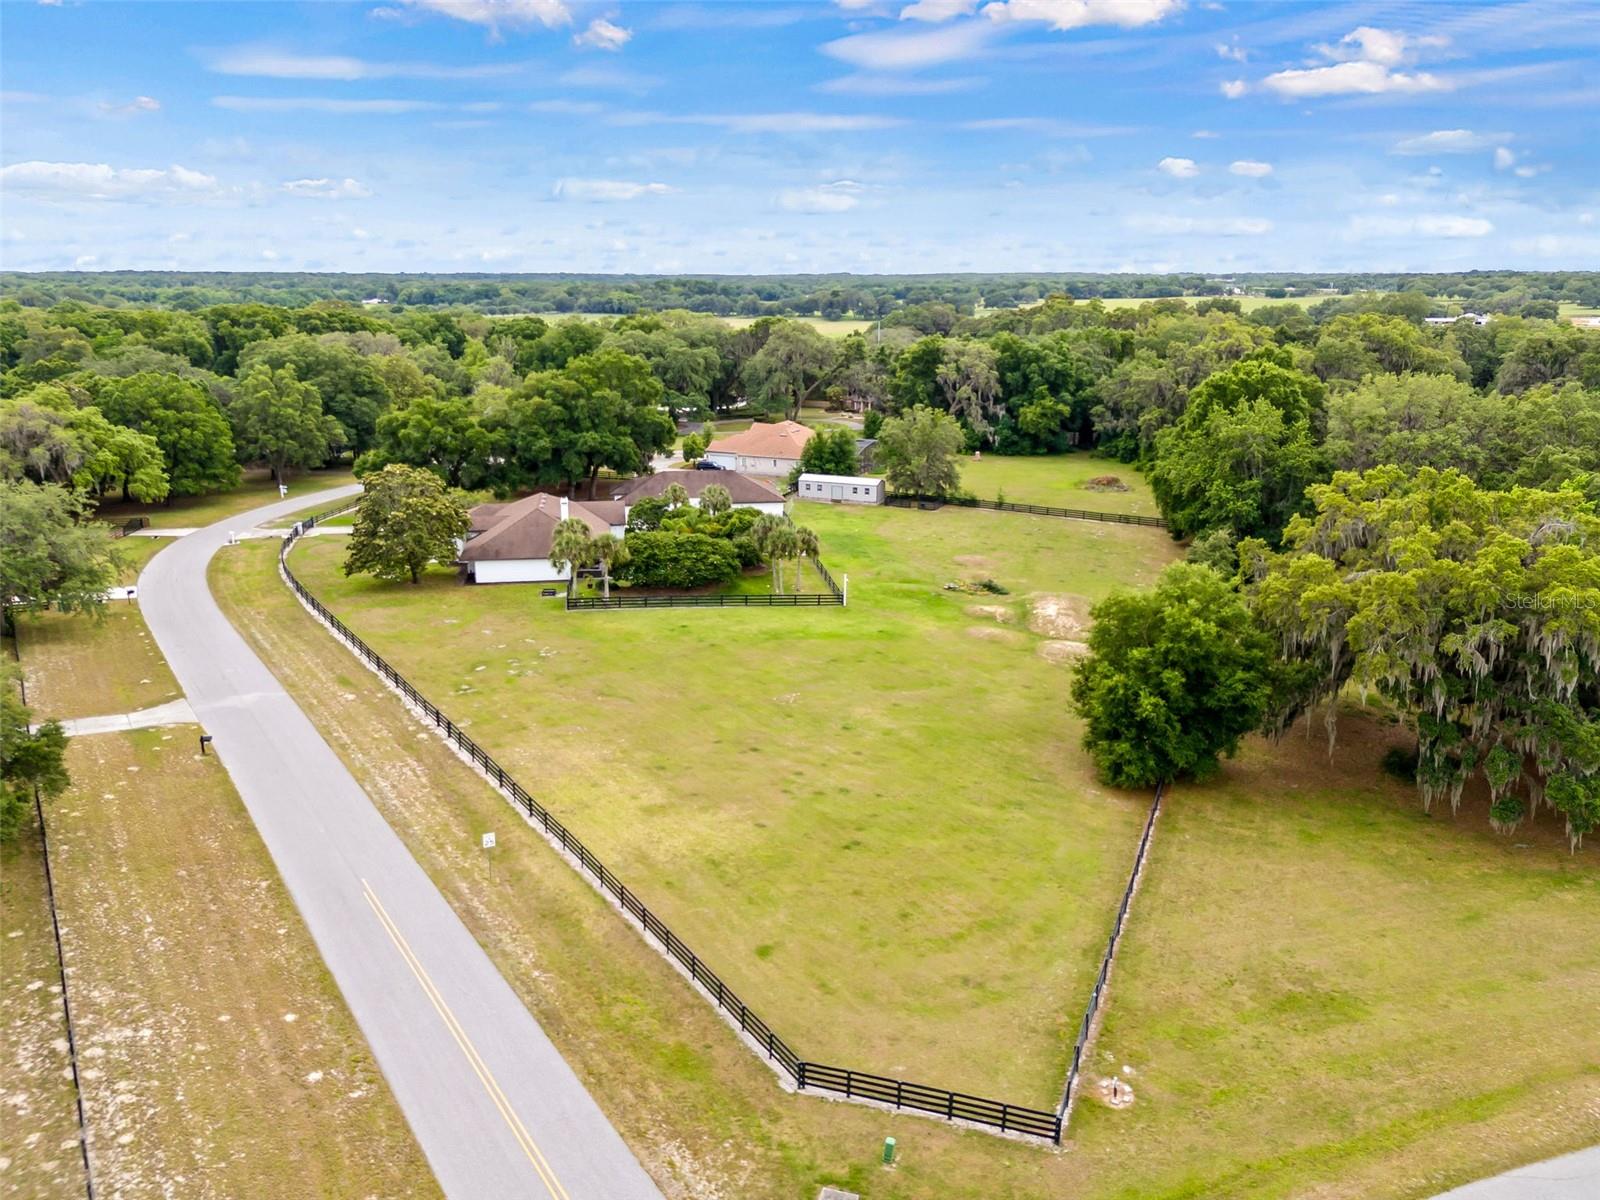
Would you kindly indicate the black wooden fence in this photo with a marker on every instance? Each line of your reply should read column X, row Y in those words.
column 856, row 1085
column 129, row 526
column 833, row 596
column 1038, row 510
column 1093, row 1007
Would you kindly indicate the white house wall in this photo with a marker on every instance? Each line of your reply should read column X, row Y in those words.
column 517, row 570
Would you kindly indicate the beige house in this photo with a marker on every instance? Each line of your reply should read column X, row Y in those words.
column 761, row 449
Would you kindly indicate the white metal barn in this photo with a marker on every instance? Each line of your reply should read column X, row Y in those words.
column 842, row 489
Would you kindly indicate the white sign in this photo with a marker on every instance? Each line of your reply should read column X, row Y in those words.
column 283, row 490
column 488, row 841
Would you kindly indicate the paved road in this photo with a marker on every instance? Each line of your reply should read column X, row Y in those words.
column 1570, row 1177
column 496, row 1110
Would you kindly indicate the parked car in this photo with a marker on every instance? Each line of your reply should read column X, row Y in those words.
column 703, row 465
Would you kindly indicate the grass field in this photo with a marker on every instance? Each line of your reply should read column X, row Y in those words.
column 1350, row 852
column 1057, row 480
column 746, row 772
column 133, row 554
column 256, row 490
column 77, row 665
column 216, row 1048
column 38, row 1116
column 1247, row 303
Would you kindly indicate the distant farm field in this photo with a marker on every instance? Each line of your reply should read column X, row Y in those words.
column 873, row 821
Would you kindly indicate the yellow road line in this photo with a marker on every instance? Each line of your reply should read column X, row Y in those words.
column 480, row 1068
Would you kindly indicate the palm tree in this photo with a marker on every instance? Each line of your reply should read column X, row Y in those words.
column 768, row 533
column 675, row 495
column 608, row 552
column 806, row 545
column 715, row 500
column 571, row 546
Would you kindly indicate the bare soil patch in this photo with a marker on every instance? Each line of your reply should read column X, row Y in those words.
column 1062, row 617
column 1062, row 651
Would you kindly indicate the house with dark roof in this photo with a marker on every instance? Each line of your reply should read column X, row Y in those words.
column 511, row 543
column 746, row 491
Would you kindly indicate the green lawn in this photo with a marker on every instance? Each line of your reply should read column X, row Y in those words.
column 1057, row 480
column 1250, row 1082
column 256, row 490
column 79, row 665
column 133, row 554
column 872, row 820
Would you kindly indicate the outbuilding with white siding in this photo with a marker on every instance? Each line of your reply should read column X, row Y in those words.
column 841, row 489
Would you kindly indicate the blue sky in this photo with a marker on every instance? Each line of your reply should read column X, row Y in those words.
column 564, row 135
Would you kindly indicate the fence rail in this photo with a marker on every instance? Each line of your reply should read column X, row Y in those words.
column 854, row 1085
column 833, row 596
column 129, row 526
column 1038, row 510
column 1093, row 1007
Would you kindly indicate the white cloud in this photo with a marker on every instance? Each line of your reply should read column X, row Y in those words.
column 771, row 122
column 606, row 190
column 864, row 84
column 99, row 181
column 575, row 108
column 1363, row 63
column 323, row 104
column 1179, row 168
column 1234, row 88
column 839, row 196
column 899, row 50
column 935, row 11
column 1351, row 78
column 265, row 62
column 1166, row 225
column 1382, row 46
column 603, row 35
column 1075, row 14
column 327, row 189
column 1440, row 225
column 1048, row 127
column 1450, row 141
column 1250, row 168
column 1504, row 158
column 497, row 14
column 1232, row 51
column 139, row 104
column 1205, row 134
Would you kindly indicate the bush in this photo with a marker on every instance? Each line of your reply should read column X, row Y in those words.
column 678, row 560
column 1401, row 764
column 646, row 514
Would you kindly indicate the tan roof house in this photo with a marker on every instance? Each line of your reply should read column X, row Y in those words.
column 744, row 491
column 761, row 449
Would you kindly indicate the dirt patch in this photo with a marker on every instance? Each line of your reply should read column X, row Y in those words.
column 1107, row 483
column 997, row 612
column 1004, row 636
column 977, row 562
column 1062, row 651
column 1063, row 618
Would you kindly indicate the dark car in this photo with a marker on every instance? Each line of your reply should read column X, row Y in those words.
column 703, row 465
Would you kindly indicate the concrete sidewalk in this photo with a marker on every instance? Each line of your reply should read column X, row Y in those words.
column 174, row 712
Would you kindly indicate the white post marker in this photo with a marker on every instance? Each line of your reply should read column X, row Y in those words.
column 844, row 593
column 488, row 841
column 283, row 491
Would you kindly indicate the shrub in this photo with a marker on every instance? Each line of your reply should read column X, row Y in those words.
column 678, row 560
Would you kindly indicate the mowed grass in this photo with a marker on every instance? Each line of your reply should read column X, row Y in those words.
column 708, row 1120
column 215, row 1047
column 1322, row 982
column 80, row 665
column 1058, row 481
column 256, row 489
column 38, row 1114
column 874, row 821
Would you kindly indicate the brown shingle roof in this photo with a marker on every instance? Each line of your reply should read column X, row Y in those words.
column 742, row 488
column 526, row 528
column 783, row 440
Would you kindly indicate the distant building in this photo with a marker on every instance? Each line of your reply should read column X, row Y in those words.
column 745, row 491
column 841, row 489
column 371, row 300
column 1475, row 318
column 761, row 449
column 866, row 453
